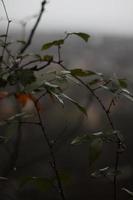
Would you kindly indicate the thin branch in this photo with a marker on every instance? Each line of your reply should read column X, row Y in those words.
column 34, row 28
column 53, row 159
column 4, row 6
column 118, row 142
column 6, row 34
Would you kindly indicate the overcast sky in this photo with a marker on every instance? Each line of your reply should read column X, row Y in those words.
column 114, row 16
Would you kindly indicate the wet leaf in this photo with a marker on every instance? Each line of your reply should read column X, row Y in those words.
column 80, row 107
column 51, row 44
column 83, row 36
column 128, row 191
column 95, row 149
column 82, row 73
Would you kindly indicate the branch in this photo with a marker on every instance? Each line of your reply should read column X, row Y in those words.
column 34, row 28
column 106, row 111
column 6, row 34
column 53, row 159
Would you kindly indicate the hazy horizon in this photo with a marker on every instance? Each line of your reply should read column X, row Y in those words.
column 104, row 16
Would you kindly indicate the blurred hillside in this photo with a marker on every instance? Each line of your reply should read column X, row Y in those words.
column 104, row 54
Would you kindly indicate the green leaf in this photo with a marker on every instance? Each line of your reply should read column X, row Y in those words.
column 82, row 73
column 24, row 76
column 81, row 108
column 12, row 79
column 95, row 149
column 83, row 36
column 87, row 138
column 81, row 139
column 21, row 41
column 41, row 183
column 122, row 83
column 51, row 44
column 47, row 58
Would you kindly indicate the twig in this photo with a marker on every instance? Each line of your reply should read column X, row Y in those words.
column 53, row 162
column 34, row 28
column 118, row 142
column 6, row 34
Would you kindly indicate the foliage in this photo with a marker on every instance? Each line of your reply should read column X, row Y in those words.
column 22, row 72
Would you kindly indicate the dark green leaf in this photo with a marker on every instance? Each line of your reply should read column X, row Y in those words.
column 51, row 44
column 26, row 76
column 80, row 72
column 47, row 58
column 41, row 183
column 21, row 41
column 95, row 149
column 81, row 139
column 84, row 36
column 12, row 79
column 81, row 108
column 122, row 83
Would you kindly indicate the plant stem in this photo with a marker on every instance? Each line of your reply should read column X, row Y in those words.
column 34, row 28
column 53, row 162
column 107, row 113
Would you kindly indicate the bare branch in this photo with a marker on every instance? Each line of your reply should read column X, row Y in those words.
column 34, row 28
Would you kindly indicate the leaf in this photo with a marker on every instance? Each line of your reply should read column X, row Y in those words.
column 51, row 44
column 128, row 191
column 100, row 173
column 26, row 76
column 83, row 36
column 82, row 73
column 87, row 138
column 95, row 149
column 57, row 97
column 81, row 139
column 127, row 94
column 21, row 41
column 47, row 58
column 50, row 85
column 81, row 108
column 122, row 83
column 41, row 183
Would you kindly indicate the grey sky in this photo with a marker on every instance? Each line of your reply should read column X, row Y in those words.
column 69, row 15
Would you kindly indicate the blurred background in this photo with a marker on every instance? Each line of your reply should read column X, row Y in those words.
column 109, row 50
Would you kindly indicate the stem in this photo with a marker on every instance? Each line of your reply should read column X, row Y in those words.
column 6, row 34
column 34, row 28
column 53, row 163
column 107, row 113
